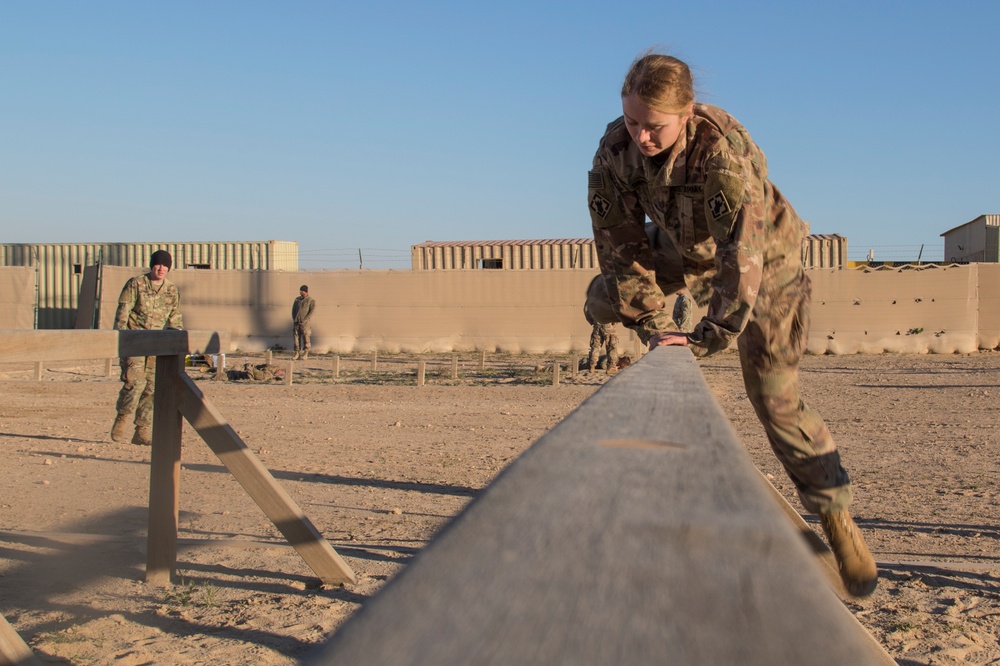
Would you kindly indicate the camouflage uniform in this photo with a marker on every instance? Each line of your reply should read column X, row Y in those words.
column 302, row 311
column 735, row 243
column 683, row 313
column 603, row 336
column 144, row 306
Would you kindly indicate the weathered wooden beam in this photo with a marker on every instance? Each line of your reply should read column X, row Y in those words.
column 164, row 474
column 262, row 487
column 635, row 532
column 35, row 346
column 13, row 650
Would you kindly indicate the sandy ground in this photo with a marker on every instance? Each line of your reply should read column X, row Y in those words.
column 379, row 464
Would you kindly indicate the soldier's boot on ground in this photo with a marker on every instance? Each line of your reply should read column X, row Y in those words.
column 296, row 357
column 143, row 436
column 305, row 354
column 857, row 567
column 119, row 428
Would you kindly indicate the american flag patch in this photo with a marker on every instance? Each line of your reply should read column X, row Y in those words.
column 595, row 180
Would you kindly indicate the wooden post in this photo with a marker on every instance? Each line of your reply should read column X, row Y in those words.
column 268, row 357
column 574, row 363
column 336, row 366
column 555, row 373
column 13, row 649
column 220, row 366
column 107, row 367
column 38, row 371
column 289, row 372
column 164, row 474
column 421, row 369
column 454, row 366
column 374, row 360
column 482, row 359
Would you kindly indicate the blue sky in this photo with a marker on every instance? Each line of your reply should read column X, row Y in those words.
column 380, row 125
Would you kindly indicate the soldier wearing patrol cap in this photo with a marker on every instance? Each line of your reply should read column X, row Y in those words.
column 735, row 243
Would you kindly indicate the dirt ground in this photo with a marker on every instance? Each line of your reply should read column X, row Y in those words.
column 378, row 464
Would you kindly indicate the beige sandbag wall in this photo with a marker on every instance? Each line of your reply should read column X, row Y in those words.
column 17, row 296
column 941, row 309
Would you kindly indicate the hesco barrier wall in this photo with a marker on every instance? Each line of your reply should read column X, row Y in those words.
column 17, row 297
column 953, row 309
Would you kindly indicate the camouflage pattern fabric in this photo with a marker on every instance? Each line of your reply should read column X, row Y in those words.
column 603, row 337
column 683, row 313
column 302, row 312
column 143, row 305
column 736, row 242
column 301, row 337
column 730, row 228
column 136, row 395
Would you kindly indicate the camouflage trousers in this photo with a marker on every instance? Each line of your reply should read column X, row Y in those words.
column 301, row 336
column 770, row 348
column 136, row 395
column 603, row 336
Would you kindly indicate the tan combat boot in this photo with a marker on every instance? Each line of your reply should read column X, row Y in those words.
column 857, row 567
column 296, row 357
column 305, row 354
column 143, row 436
column 118, row 429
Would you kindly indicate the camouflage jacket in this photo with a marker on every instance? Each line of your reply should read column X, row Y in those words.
column 712, row 199
column 302, row 309
column 143, row 306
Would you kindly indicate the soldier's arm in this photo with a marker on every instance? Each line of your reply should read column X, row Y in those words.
column 175, row 320
column 126, row 302
column 735, row 210
column 624, row 254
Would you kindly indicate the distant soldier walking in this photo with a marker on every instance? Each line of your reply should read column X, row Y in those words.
column 302, row 312
column 148, row 302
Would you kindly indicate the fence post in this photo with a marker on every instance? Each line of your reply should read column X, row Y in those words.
column 289, row 372
column 374, row 360
column 107, row 367
column 38, row 371
column 336, row 366
column 555, row 373
column 268, row 357
column 454, row 366
column 482, row 359
column 421, row 369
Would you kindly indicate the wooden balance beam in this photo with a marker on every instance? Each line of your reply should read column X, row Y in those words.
column 636, row 531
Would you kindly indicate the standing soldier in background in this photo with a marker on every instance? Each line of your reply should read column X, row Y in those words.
column 604, row 338
column 148, row 302
column 302, row 312
column 694, row 171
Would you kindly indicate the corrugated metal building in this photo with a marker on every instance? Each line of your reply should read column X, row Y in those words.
column 824, row 251
column 60, row 265
column 514, row 255
column 818, row 251
column 974, row 241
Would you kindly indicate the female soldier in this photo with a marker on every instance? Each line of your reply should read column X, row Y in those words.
column 735, row 242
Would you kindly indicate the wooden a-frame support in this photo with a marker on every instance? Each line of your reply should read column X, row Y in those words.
column 177, row 396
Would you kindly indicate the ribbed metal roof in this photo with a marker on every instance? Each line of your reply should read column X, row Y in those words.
column 543, row 241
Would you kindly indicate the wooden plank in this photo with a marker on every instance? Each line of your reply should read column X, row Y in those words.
column 36, row 346
column 635, row 532
column 262, row 487
column 13, row 650
column 164, row 474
